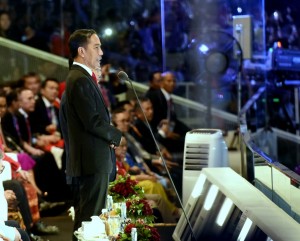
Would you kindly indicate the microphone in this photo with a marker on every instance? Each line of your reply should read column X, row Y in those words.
column 124, row 77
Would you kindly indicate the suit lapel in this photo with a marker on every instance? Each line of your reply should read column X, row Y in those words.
column 96, row 86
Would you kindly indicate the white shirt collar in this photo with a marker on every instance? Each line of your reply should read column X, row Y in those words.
column 166, row 94
column 23, row 112
column 47, row 103
column 85, row 67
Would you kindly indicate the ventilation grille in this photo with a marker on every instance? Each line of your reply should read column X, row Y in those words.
column 204, row 131
column 196, row 156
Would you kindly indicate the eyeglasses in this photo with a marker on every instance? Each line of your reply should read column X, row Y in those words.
column 2, row 169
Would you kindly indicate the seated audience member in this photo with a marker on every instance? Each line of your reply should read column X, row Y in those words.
column 31, row 81
column 154, row 81
column 153, row 190
column 120, row 118
column 8, row 230
column 44, row 118
column 27, row 107
column 11, row 128
column 141, row 131
column 24, row 161
column 164, row 116
column 128, row 106
column 48, row 177
column 23, row 199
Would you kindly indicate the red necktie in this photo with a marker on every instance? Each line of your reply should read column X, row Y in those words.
column 94, row 78
column 105, row 95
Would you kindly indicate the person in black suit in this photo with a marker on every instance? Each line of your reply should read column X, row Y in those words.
column 44, row 118
column 89, row 136
column 164, row 117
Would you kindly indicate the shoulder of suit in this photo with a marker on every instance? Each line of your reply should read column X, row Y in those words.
column 79, row 68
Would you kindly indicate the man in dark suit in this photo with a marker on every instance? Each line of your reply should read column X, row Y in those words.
column 44, row 118
column 90, row 137
column 164, row 116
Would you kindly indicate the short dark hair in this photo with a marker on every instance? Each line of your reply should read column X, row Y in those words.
column 12, row 96
column 25, row 76
column 116, row 111
column 78, row 38
column 142, row 100
column 44, row 83
column 151, row 75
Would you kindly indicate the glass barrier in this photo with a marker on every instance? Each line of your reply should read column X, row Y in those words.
column 270, row 173
column 18, row 59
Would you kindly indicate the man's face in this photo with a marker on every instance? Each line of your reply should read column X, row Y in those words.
column 32, row 83
column 92, row 52
column 121, row 150
column 4, row 22
column 27, row 101
column 129, row 108
column 168, row 82
column 2, row 106
column 122, row 121
column 148, row 110
column 50, row 91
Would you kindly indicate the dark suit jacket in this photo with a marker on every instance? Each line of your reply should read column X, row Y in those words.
column 86, row 122
column 160, row 111
column 39, row 119
column 142, row 133
column 160, row 106
column 10, row 131
column 26, row 135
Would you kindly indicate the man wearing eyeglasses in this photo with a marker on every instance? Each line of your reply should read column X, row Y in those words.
column 8, row 230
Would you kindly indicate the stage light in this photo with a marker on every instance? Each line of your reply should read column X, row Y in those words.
column 108, row 32
column 203, row 48
column 276, row 15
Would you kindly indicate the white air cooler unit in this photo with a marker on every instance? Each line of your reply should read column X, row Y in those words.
column 202, row 148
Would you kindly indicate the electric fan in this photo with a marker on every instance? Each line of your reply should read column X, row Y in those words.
column 215, row 60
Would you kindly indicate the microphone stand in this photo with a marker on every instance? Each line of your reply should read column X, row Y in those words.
column 123, row 76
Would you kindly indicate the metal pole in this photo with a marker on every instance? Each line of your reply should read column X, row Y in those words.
column 163, row 41
column 296, row 93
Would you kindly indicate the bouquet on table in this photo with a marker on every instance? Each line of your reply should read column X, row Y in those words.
column 139, row 208
column 124, row 188
column 138, row 211
column 145, row 232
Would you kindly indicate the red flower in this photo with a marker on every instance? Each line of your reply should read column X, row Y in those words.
column 123, row 188
column 129, row 227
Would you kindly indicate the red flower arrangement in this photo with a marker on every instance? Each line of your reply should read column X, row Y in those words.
column 139, row 209
column 139, row 213
column 145, row 232
column 123, row 188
